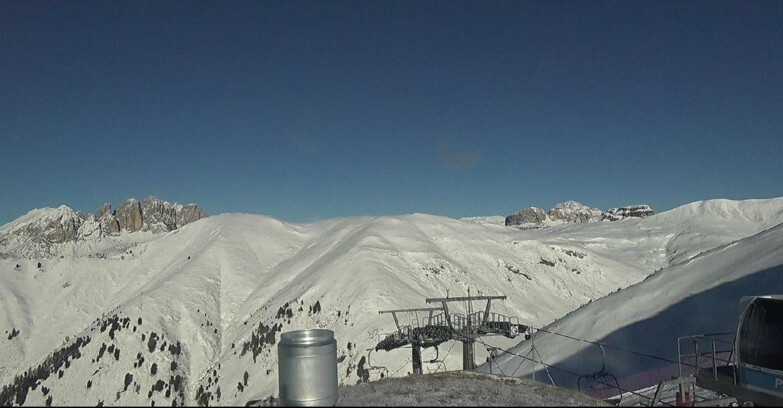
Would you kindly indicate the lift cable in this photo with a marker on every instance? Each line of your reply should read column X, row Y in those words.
column 521, row 362
column 609, row 346
column 571, row 372
column 444, row 357
column 491, row 356
column 403, row 366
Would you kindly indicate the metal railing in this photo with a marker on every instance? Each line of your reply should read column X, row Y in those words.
column 710, row 351
column 495, row 322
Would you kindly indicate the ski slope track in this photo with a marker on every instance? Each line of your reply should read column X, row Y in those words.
column 192, row 316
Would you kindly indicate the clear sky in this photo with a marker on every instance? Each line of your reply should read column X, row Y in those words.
column 311, row 110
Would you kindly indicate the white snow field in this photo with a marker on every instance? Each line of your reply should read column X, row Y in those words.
column 192, row 310
column 639, row 325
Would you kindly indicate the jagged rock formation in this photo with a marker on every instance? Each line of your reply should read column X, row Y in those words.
column 90, row 229
column 161, row 216
column 530, row 215
column 129, row 215
column 105, row 209
column 106, row 220
column 637, row 211
column 190, row 213
column 61, row 227
column 39, row 229
column 158, row 215
column 572, row 211
column 35, row 233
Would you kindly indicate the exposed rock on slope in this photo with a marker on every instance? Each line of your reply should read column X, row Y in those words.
column 526, row 216
column 573, row 212
column 158, row 216
column 107, row 221
column 129, row 215
column 569, row 211
column 633, row 211
column 38, row 232
column 189, row 213
column 162, row 216
column 39, row 229
column 209, row 301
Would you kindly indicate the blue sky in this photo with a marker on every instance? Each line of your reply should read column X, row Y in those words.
column 311, row 110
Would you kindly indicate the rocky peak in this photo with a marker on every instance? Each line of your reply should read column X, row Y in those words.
column 161, row 216
column 572, row 211
column 129, row 215
column 39, row 231
column 631, row 211
column 105, row 209
column 529, row 215
column 58, row 226
column 190, row 213
column 158, row 216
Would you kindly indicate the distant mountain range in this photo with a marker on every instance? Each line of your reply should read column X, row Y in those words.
column 187, row 309
column 572, row 211
column 696, row 294
column 40, row 232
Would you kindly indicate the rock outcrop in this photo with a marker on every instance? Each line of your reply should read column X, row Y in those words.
column 190, row 213
column 162, row 216
column 37, row 231
column 107, row 221
column 572, row 211
column 632, row 211
column 59, row 227
column 129, row 215
column 90, row 229
column 105, row 209
column 529, row 215
column 158, row 216
column 41, row 231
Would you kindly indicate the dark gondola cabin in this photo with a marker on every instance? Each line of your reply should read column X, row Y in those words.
column 760, row 344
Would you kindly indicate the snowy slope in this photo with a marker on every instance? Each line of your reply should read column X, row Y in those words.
column 699, row 295
column 224, row 287
column 491, row 220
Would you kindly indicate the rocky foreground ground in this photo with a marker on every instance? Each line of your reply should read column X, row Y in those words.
column 458, row 388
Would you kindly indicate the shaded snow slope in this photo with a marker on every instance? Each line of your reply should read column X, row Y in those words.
column 206, row 302
column 696, row 296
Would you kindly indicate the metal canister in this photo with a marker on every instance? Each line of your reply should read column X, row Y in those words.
column 307, row 368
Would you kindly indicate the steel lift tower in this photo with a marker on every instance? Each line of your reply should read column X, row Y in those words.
column 438, row 328
column 416, row 336
column 467, row 328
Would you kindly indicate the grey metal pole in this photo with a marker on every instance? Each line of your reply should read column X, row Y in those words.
column 416, row 351
column 467, row 355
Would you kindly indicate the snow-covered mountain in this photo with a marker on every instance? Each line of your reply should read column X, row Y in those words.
column 48, row 232
column 191, row 316
column 570, row 212
column 698, row 293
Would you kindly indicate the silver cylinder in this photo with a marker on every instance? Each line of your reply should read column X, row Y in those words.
column 307, row 368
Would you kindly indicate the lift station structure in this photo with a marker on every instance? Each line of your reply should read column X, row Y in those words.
column 442, row 325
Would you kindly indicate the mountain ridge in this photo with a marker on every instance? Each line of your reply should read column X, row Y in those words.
column 225, row 286
column 42, row 231
column 701, row 291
